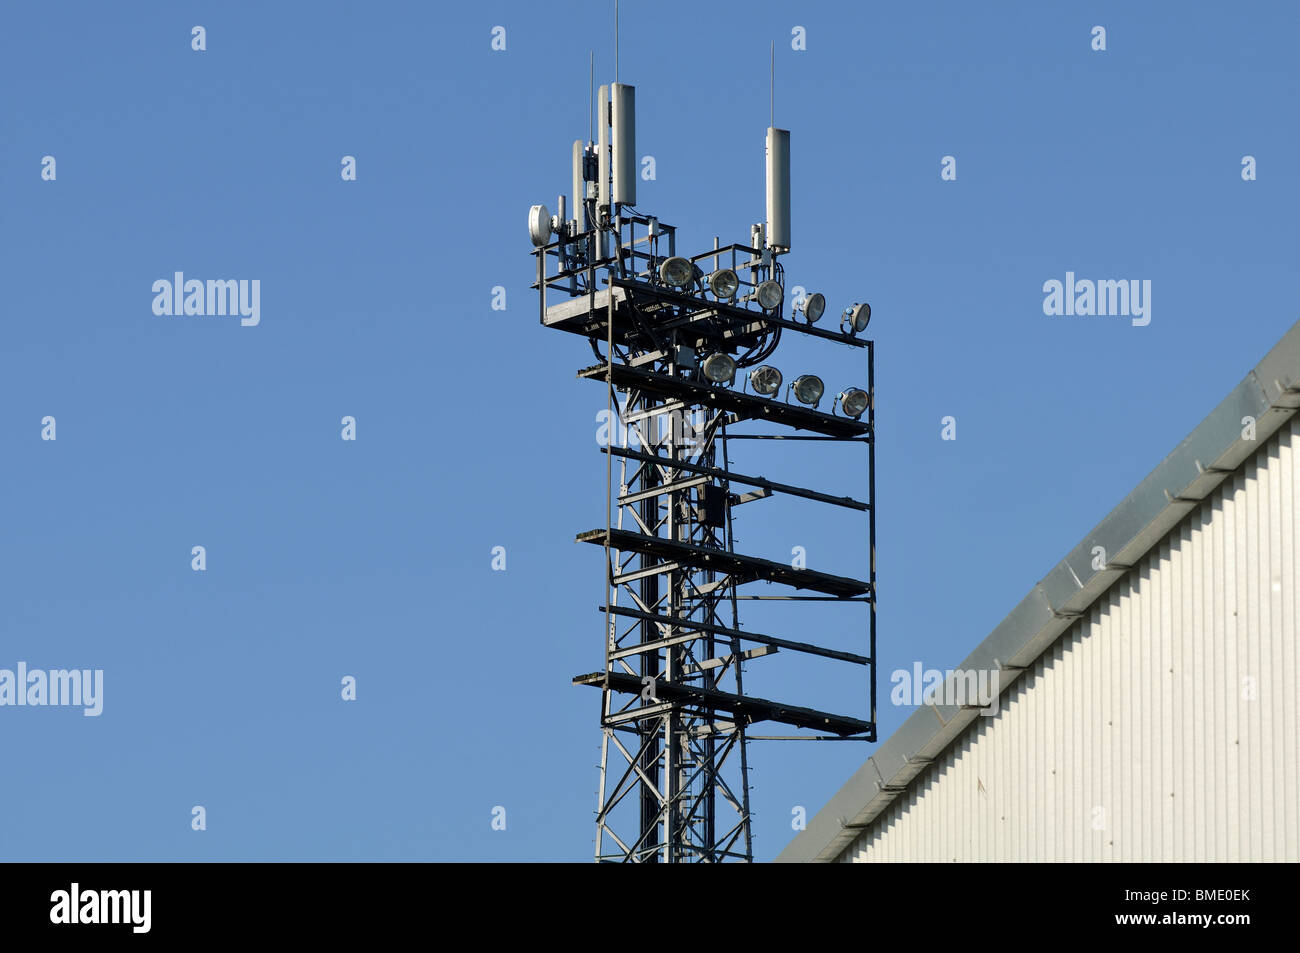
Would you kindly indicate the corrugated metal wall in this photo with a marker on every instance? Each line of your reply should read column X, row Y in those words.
column 1162, row 726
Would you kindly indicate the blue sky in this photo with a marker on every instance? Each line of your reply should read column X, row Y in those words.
column 372, row 558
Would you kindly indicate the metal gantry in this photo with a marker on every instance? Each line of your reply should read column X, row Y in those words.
column 675, row 716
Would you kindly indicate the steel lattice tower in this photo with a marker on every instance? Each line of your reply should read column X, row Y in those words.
column 666, row 330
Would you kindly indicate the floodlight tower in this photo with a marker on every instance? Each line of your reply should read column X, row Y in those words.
column 673, row 336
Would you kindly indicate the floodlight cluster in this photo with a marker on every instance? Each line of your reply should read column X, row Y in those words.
column 766, row 380
column 853, row 321
column 719, row 368
column 724, row 284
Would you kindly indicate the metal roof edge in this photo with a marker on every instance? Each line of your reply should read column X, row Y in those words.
column 1270, row 394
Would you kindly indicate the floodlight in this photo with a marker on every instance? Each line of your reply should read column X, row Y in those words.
column 677, row 271
column 539, row 225
column 813, row 307
column 770, row 295
column 724, row 283
column 854, row 402
column 808, row 389
column 765, row 380
column 856, row 318
column 719, row 368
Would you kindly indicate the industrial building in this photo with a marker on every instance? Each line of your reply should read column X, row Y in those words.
column 1149, row 682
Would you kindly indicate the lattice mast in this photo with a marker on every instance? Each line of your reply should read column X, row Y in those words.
column 671, row 335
